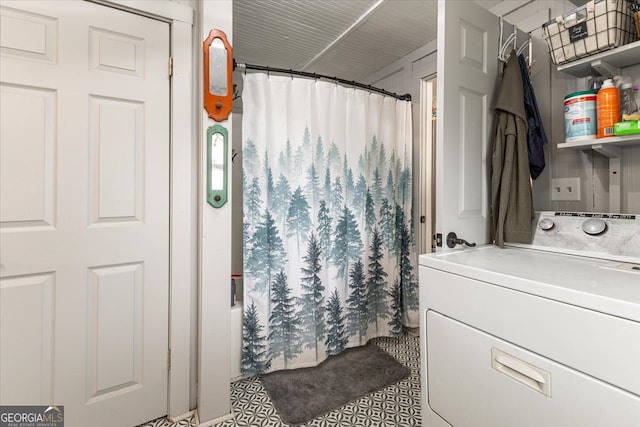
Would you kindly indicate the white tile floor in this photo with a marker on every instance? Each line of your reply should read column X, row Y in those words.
column 395, row 406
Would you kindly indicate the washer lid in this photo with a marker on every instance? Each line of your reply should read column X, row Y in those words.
column 587, row 282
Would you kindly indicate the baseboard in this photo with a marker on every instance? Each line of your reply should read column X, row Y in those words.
column 213, row 421
column 414, row 332
column 182, row 416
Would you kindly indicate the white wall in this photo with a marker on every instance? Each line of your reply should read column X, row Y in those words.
column 236, row 189
column 214, row 374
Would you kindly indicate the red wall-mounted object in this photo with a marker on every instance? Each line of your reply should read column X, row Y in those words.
column 218, row 69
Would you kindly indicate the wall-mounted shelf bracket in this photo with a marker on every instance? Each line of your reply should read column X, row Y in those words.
column 613, row 153
column 605, row 69
column 615, row 194
column 610, row 151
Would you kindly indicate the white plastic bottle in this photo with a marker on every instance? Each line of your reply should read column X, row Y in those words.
column 627, row 99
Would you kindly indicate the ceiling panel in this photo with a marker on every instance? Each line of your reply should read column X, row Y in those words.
column 396, row 29
column 288, row 34
column 350, row 39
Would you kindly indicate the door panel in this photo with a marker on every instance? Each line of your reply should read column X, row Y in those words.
column 114, row 286
column 30, row 112
column 467, row 50
column 117, row 169
column 85, row 211
column 26, row 364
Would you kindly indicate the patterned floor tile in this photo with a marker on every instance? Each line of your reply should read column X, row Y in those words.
column 395, row 406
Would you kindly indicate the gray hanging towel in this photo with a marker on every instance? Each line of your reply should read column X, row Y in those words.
column 511, row 199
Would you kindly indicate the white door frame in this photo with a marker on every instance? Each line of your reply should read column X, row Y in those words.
column 182, row 196
column 427, row 173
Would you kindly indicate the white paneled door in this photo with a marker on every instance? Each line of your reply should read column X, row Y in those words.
column 467, row 77
column 84, row 210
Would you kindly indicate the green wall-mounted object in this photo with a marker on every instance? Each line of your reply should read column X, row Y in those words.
column 217, row 151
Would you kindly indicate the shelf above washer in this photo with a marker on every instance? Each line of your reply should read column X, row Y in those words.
column 609, row 147
column 607, row 63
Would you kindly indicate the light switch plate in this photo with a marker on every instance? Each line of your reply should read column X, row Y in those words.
column 565, row 189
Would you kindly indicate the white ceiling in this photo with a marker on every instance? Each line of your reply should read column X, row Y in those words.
column 346, row 38
column 350, row 39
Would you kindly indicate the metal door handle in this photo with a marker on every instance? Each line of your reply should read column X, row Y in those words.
column 452, row 241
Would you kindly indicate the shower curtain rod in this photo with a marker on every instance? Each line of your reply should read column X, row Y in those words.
column 405, row 97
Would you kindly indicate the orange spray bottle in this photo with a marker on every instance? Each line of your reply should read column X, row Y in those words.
column 608, row 108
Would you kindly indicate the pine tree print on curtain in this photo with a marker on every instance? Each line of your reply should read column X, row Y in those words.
column 329, row 251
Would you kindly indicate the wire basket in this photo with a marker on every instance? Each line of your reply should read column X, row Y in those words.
column 597, row 26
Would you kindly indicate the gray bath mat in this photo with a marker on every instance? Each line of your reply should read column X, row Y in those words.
column 300, row 395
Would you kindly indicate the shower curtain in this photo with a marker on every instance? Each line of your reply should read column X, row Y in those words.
column 329, row 248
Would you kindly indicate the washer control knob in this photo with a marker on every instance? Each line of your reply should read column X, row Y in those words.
column 594, row 226
column 546, row 224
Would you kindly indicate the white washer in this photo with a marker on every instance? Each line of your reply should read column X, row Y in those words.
column 546, row 334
